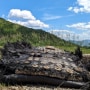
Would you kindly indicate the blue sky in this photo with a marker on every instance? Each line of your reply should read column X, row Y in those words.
column 69, row 16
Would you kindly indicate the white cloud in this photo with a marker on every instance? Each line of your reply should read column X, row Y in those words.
column 25, row 17
column 62, row 31
column 31, row 23
column 65, row 34
column 70, row 8
column 50, row 17
column 80, row 26
column 70, row 35
column 85, row 35
column 17, row 13
column 82, row 6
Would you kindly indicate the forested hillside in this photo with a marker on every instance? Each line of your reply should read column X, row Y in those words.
column 13, row 32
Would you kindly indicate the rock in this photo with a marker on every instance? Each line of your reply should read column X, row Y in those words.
column 50, row 47
column 20, row 58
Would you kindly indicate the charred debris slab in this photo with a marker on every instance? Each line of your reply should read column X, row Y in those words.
column 22, row 63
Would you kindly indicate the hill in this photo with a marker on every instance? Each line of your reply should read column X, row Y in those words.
column 37, row 37
column 12, row 32
column 82, row 42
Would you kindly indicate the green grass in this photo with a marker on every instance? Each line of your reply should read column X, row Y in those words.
column 37, row 37
column 72, row 49
column 85, row 50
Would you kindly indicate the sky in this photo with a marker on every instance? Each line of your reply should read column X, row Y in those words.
column 65, row 18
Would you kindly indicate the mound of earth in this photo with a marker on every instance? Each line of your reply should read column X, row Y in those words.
column 22, row 63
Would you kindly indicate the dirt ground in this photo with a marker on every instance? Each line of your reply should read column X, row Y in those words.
column 34, row 87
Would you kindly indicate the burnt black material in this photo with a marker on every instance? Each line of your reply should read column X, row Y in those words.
column 78, row 52
column 21, row 60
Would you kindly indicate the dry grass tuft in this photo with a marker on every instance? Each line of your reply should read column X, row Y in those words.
column 32, row 87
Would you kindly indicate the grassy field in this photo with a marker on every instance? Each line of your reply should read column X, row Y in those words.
column 72, row 49
column 85, row 50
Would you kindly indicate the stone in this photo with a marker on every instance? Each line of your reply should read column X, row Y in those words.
column 22, row 59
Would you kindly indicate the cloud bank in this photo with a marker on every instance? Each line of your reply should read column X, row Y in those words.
column 80, row 26
column 65, row 34
column 26, row 18
column 82, row 6
column 70, row 35
column 51, row 17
